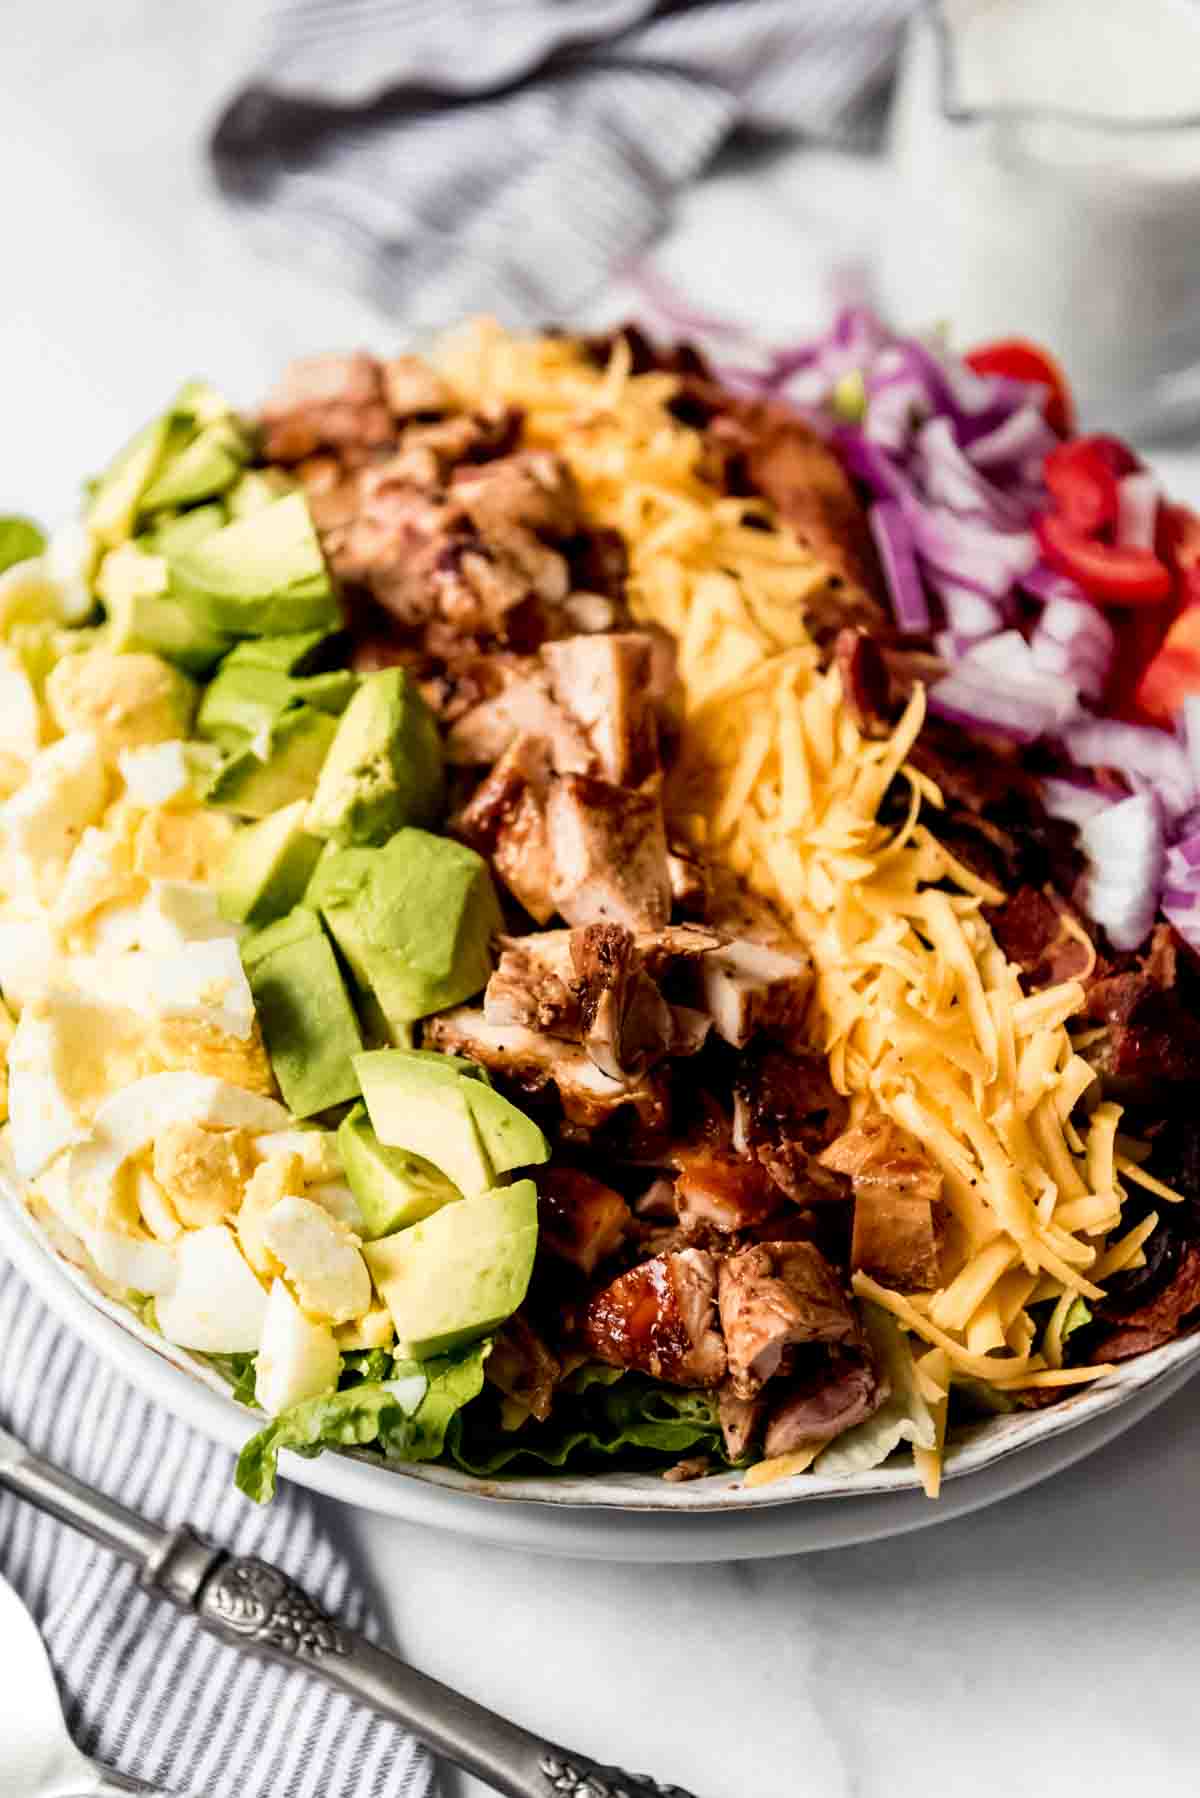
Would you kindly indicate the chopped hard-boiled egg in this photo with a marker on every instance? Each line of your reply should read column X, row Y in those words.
column 42, row 822
column 155, row 774
column 335, row 1197
column 203, row 983
column 189, row 844
column 157, row 1212
column 270, row 1183
column 176, row 912
column 216, row 1304
column 20, row 713
column 66, row 1053
column 29, row 959
column 374, row 1329
column 127, row 700
column 298, row 1358
column 202, row 1171
column 320, row 1158
column 99, row 873
column 320, row 1258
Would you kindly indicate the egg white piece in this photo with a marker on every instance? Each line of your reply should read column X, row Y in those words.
column 20, row 713
column 178, row 912
column 29, row 959
column 156, row 773
column 215, row 1304
column 320, row 1259
column 297, row 1357
column 204, row 983
column 42, row 822
column 317, row 1149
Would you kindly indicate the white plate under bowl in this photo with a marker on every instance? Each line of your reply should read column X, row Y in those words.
column 618, row 1516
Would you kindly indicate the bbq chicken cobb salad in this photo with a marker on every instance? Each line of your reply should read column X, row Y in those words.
column 558, row 909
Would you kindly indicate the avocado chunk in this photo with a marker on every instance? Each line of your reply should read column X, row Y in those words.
column 268, row 867
column 305, row 1014
column 510, row 1138
column 385, row 767
column 393, row 1188
column 424, row 1109
column 241, row 701
column 201, row 469
column 459, row 1273
column 301, row 652
column 256, row 488
column 169, row 533
column 117, row 493
column 262, row 575
column 415, row 920
column 145, row 615
column 296, row 927
column 272, row 772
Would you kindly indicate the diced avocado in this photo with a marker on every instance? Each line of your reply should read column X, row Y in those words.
column 172, row 533
column 257, row 488
column 117, row 494
column 299, row 926
column 300, row 653
column 416, row 1107
column 510, row 1138
column 393, row 1188
column 240, row 701
column 201, row 469
column 268, row 867
column 307, row 1020
column 385, row 767
column 20, row 540
column 459, row 1273
column 144, row 614
column 254, row 784
column 263, row 575
column 415, row 920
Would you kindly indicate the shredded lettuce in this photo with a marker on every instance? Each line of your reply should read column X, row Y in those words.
column 239, row 1371
column 379, row 1412
column 20, row 538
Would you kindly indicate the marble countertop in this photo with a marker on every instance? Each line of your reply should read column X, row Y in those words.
column 1048, row 1645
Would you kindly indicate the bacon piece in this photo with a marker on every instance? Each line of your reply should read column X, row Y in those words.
column 773, row 1296
column 1159, row 1320
column 580, row 1219
column 1042, row 934
column 658, row 1319
column 865, row 685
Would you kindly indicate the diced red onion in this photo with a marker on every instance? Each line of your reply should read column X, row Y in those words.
column 950, row 479
column 980, row 556
column 1071, row 637
column 1187, row 850
column 893, row 406
column 1044, row 582
column 1190, row 730
column 868, row 463
column 1137, row 509
column 973, row 699
column 897, row 553
column 1074, row 801
column 1024, row 435
column 1008, row 657
column 1124, row 845
column 1137, row 750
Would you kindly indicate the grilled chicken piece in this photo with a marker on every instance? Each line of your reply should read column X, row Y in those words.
column 393, row 542
column 326, row 402
column 658, row 1318
column 825, row 1405
column 773, row 1296
column 785, row 1112
column 722, row 1191
column 536, row 984
column 750, row 988
column 897, row 1203
column 523, row 1368
column 533, row 489
column 580, row 1219
column 604, row 682
column 523, row 706
column 689, row 883
column 505, row 819
column 414, row 390
column 534, row 1061
column 741, row 1420
column 610, row 854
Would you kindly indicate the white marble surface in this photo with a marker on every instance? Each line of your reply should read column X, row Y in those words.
column 1047, row 1646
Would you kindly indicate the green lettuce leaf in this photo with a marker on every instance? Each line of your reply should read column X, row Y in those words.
column 601, row 1414
column 20, row 538
column 454, row 1380
column 376, row 1412
column 239, row 1371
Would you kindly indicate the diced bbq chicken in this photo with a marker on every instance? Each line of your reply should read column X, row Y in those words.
column 610, row 854
column 897, row 1203
column 532, row 489
column 536, row 984
column 523, row 1368
column 722, row 1191
column 689, row 883
column 604, row 682
column 785, row 1112
column 749, row 988
column 414, row 389
column 521, row 706
column 580, row 1219
column 326, row 402
column 773, row 1296
column 658, row 1319
column 741, row 1420
column 505, row 819
column 824, row 1405
column 393, row 542
column 534, row 1061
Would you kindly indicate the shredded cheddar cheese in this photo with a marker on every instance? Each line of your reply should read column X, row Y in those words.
column 915, row 1006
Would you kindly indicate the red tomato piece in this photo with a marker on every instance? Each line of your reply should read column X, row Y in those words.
column 1119, row 457
column 1021, row 360
column 1177, row 541
column 1122, row 576
column 1082, row 485
column 1174, row 672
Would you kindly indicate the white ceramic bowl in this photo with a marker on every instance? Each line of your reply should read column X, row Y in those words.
column 1015, row 1449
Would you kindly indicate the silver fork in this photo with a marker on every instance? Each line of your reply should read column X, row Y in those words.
column 37, row 1757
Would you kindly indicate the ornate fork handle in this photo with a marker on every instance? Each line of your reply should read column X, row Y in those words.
column 254, row 1607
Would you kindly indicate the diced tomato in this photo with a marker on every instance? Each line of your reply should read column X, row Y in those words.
column 1122, row 576
column 1021, row 360
column 1118, row 455
column 1177, row 541
column 1140, row 632
column 1174, row 672
column 1082, row 485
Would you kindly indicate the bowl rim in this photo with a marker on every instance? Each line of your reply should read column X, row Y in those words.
column 187, row 1385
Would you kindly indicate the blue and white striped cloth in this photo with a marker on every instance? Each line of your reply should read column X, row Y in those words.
column 144, row 1690
column 452, row 156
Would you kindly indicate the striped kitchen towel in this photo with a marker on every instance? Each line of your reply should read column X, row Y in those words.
column 144, row 1690
column 451, row 156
